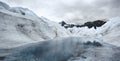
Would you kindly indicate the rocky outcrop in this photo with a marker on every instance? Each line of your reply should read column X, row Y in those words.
column 95, row 24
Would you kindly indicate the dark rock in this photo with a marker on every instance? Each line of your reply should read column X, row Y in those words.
column 95, row 43
column 23, row 13
column 2, row 57
column 94, row 24
column 88, row 43
column 20, row 25
column 78, row 26
column 89, row 24
column 62, row 23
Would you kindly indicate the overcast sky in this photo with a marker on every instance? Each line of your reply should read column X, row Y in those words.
column 58, row 10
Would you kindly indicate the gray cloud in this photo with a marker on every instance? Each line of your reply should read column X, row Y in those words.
column 71, row 9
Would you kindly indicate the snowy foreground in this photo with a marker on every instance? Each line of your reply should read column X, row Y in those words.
column 26, row 37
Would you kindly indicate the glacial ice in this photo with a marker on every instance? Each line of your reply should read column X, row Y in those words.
column 17, row 29
column 26, row 37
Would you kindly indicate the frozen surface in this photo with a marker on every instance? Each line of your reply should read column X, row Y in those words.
column 64, row 49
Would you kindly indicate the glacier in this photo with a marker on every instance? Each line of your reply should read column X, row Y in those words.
column 24, row 36
column 17, row 29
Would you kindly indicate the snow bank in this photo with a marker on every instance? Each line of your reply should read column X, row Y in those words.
column 86, row 34
column 111, row 31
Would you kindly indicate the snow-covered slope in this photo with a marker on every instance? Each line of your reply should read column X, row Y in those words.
column 4, row 6
column 60, row 31
column 111, row 31
column 17, row 29
column 20, row 10
column 64, row 49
